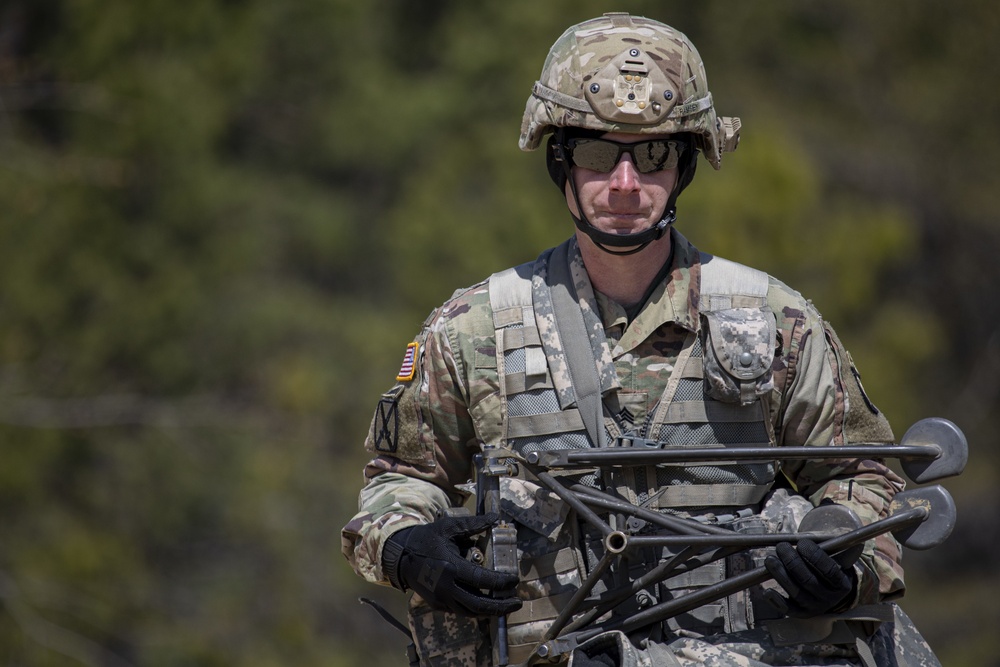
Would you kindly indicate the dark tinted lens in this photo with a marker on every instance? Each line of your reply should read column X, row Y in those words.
column 602, row 155
column 654, row 155
column 595, row 154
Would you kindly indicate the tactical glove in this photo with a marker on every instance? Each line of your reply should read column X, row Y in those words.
column 815, row 582
column 428, row 559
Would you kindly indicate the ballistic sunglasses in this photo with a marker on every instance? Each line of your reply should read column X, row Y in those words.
column 603, row 154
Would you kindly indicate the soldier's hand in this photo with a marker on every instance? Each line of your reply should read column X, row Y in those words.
column 431, row 563
column 815, row 582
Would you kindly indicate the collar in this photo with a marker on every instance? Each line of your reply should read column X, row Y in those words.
column 675, row 300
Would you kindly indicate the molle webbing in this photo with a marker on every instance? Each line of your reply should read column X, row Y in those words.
column 533, row 417
column 546, row 567
column 687, row 416
column 541, row 413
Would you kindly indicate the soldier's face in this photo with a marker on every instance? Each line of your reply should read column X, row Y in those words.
column 623, row 200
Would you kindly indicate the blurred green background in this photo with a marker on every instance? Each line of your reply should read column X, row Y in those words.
column 222, row 220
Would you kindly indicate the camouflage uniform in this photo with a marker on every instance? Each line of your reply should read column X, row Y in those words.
column 429, row 426
column 484, row 372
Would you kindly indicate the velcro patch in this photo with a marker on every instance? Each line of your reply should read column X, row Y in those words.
column 409, row 367
column 385, row 426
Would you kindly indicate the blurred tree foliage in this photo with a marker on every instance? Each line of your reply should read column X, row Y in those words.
column 221, row 221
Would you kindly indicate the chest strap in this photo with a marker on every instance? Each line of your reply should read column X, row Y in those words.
column 576, row 342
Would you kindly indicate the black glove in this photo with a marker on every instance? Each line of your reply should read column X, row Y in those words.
column 815, row 582
column 427, row 559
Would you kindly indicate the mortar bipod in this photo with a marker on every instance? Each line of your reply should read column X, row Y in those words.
column 920, row 519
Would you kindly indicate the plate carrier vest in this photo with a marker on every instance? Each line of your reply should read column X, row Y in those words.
column 713, row 399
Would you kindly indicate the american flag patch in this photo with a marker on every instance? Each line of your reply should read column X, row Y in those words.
column 409, row 367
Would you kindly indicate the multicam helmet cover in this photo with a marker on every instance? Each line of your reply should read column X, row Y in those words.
column 622, row 73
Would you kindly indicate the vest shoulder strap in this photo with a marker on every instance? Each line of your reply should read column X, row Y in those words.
column 510, row 290
column 576, row 342
column 726, row 284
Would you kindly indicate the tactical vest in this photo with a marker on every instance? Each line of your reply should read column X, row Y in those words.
column 716, row 395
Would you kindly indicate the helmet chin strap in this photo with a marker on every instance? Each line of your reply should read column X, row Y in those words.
column 609, row 242
column 632, row 243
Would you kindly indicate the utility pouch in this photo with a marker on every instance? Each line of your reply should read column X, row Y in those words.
column 781, row 512
column 549, row 567
column 739, row 348
column 747, row 608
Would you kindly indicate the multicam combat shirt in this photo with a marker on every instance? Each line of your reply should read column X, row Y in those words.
column 447, row 403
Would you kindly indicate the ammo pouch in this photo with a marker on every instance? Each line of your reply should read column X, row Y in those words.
column 549, row 565
column 738, row 349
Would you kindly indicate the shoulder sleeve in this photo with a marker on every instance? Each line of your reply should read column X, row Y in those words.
column 821, row 397
column 388, row 503
column 823, row 403
column 422, row 435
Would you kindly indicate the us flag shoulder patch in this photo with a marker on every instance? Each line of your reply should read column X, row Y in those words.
column 409, row 367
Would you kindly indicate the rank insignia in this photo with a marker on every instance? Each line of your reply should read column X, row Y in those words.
column 409, row 367
column 626, row 419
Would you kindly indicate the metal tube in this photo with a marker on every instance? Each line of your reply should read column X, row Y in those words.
column 638, row 456
column 665, row 610
column 579, row 596
column 676, row 524
column 611, row 599
column 733, row 540
column 571, row 499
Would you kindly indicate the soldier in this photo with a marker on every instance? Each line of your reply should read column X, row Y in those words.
column 626, row 329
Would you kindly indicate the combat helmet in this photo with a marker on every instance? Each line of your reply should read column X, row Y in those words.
column 622, row 73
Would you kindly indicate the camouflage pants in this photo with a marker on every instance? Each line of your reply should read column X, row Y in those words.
column 462, row 642
column 894, row 644
column 751, row 648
